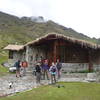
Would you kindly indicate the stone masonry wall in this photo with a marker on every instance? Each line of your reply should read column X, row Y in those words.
column 77, row 67
column 74, row 67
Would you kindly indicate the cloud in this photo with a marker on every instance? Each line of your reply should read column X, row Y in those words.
column 82, row 15
column 25, row 7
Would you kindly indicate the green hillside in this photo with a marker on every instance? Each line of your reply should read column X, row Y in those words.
column 21, row 30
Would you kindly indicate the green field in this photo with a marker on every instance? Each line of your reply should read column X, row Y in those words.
column 3, row 70
column 70, row 91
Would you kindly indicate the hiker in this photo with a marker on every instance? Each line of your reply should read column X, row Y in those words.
column 24, row 65
column 59, row 66
column 18, row 66
column 38, row 73
column 41, row 61
column 53, row 72
column 45, row 69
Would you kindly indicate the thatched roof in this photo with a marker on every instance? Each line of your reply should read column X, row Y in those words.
column 70, row 39
column 51, row 36
column 14, row 47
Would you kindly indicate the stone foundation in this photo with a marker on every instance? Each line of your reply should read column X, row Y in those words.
column 78, row 67
column 74, row 67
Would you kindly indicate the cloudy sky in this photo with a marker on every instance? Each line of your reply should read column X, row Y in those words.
column 81, row 15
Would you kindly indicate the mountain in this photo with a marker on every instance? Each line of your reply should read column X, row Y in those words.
column 15, row 30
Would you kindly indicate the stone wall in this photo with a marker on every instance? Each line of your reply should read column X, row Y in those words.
column 33, row 55
column 17, row 56
column 74, row 67
column 78, row 67
column 96, row 67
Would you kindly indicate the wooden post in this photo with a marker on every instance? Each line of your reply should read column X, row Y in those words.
column 90, row 62
column 90, row 67
column 54, row 52
column 27, row 53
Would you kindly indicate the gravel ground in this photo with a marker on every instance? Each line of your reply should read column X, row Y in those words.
column 28, row 82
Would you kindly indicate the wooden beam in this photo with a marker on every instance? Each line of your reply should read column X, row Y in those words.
column 90, row 68
column 27, row 53
column 54, row 51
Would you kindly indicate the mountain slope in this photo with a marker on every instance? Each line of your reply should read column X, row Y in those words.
column 18, row 30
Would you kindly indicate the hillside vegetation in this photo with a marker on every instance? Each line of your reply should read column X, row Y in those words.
column 14, row 30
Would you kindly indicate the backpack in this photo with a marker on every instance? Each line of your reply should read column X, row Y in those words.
column 59, row 66
column 53, row 69
column 38, row 69
column 15, row 64
column 24, row 64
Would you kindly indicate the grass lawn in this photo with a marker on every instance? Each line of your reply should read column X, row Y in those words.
column 3, row 70
column 70, row 91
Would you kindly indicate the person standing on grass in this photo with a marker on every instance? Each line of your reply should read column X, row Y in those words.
column 18, row 66
column 53, row 72
column 38, row 73
column 59, row 66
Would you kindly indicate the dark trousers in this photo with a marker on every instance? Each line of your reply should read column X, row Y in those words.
column 59, row 74
column 18, row 72
column 38, row 77
column 53, row 78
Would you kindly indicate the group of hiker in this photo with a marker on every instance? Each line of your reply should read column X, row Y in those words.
column 42, row 70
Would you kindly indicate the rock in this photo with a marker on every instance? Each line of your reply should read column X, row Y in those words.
column 91, row 77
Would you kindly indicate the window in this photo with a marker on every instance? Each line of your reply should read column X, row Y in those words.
column 10, row 54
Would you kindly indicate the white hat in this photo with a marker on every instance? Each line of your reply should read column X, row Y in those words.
column 38, row 64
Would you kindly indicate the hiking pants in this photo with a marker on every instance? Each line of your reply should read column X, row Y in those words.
column 38, row 77
column 45, row 73
column 53, row 78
